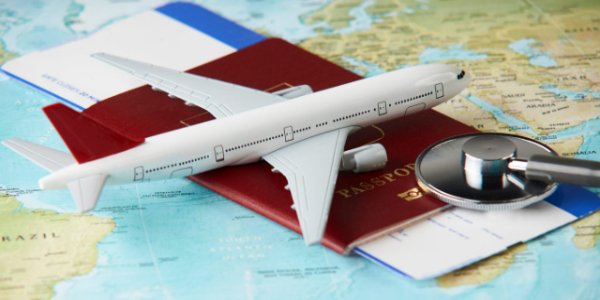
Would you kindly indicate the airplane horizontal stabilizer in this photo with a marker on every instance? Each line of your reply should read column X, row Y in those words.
column 47, row 158
column 86, row 191
column 87, row 139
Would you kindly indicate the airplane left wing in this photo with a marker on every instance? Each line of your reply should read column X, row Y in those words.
column 311, row 169
column 219, row 98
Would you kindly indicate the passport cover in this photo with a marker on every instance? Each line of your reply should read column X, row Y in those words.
column 364, row 206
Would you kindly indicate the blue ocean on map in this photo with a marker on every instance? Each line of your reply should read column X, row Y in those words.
column 536, row 57
column 500, row 115
column 279, row 22
column 361, row 19
column 589, row 130
column 293, row 29
column 408, row 10
column 411, row 9
column 454, row 52
column 571, row 95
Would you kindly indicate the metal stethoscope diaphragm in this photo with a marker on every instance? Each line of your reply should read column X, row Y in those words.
column 492, row 171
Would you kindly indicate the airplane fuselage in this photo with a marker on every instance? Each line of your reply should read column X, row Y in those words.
column 248, row 136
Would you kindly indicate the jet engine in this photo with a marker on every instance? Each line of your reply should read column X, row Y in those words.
column 294, row 91
column 365, row 158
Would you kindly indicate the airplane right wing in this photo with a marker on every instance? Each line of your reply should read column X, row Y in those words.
column 311, row 169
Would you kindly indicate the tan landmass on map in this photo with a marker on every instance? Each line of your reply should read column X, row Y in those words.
column 463, row 110
column 4, row 55
column 39, row 248
column 336, row 15
column 505, row 78
column 483, row 271
column 587, row 231
column 567, row 146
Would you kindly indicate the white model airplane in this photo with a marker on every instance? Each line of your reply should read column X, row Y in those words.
column 303, row 138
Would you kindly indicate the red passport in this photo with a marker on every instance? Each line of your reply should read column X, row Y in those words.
column 364, row 205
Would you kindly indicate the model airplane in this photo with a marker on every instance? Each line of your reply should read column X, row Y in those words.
column 300, row 133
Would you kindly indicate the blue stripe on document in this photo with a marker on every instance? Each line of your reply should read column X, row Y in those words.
column 39, row 88
column 212, row 24
column 574, row 200
column 377, row 260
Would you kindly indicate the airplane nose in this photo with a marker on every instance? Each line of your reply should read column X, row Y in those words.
column 463, row 79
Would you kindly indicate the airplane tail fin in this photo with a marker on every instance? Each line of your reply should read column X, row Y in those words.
column 47, row 158
column 85, row 191
column 86, row 138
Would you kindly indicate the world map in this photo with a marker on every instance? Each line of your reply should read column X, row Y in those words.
column 536, row 72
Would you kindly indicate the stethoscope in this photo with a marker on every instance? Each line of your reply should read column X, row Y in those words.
column 492, row 171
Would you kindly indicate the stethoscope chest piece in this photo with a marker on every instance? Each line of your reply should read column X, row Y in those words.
column 474, row 171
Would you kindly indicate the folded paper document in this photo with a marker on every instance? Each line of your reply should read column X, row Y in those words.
column 178, row 36
column 458, row 237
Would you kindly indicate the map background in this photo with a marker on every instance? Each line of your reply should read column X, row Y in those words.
column 223, row 250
